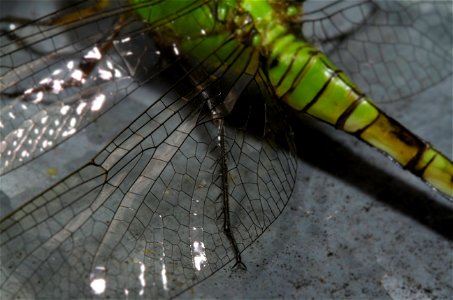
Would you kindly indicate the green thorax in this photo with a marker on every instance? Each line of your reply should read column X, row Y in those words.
column 255, row 23
column 300, row 75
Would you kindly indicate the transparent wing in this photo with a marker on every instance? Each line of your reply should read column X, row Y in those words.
column 150, row 201
column 57, row 79
column 135, row 205
column 33, row 122
column 390, row 49
column 145, row 215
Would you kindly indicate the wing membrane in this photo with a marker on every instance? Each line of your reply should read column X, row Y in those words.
column 390, row 49
column 150, row 199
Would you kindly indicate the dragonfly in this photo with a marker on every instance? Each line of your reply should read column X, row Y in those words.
column 64, row 97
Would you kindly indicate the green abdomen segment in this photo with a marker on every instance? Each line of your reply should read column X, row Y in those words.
column 305, row 79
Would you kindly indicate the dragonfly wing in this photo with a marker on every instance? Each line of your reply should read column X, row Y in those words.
column 56, row 80
column 149, row 205
column 391, row 49
column 145, row 215
column 71, row 223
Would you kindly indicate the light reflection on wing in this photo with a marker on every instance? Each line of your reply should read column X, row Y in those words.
column 54, row 99
column 144, row 216
column 149, row 201
column 145, row 202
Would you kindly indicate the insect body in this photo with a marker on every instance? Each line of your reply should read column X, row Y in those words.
column 148, row 215
column 307, row 81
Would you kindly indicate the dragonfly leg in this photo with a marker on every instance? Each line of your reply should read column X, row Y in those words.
column 225, row 195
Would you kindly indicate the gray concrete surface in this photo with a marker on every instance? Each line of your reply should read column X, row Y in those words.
column 357, row 226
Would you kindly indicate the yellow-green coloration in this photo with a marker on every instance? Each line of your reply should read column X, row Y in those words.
column 437, row 171
column 302, row 76
column 52, row 172
column 201, row 26
column 147, row 205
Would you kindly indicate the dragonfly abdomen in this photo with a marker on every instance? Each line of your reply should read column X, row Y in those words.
column 303, row 76
column 307, row 81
